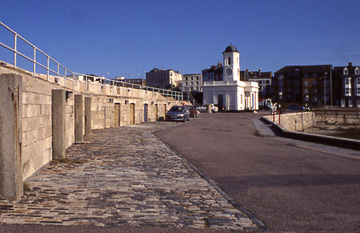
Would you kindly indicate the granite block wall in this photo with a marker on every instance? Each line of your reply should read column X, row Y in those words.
column 36, row 118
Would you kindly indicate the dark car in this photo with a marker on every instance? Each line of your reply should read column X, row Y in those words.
column 192, row 110
column 178, row 113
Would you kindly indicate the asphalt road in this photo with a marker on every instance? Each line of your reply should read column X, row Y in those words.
column 286, row 184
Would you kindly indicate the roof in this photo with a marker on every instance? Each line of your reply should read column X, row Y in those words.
column 305, row 69
column 252, row 74
column 350, row 68
column 162, row 70
column 316, row 69
column 287, row 69
column 230, row 49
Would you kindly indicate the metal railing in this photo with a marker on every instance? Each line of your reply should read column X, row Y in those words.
column 68, row 74
column 189, row 97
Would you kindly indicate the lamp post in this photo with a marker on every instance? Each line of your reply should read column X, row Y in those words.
column 325, row 88
column 330, row 87
column 331, row 99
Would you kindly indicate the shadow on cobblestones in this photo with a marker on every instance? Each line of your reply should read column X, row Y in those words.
column 123, row 176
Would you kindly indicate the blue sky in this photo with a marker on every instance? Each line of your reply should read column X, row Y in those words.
column 128, row 38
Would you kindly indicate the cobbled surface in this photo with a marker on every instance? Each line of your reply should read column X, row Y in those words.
column 119, row 176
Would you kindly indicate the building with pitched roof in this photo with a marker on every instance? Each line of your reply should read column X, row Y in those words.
column 347, row 79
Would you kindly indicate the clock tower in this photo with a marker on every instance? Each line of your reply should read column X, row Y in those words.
column 231, row 64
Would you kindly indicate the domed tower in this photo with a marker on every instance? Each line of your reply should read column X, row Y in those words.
column 231, row 64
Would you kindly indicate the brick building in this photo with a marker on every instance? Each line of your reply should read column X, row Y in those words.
column 303, row 85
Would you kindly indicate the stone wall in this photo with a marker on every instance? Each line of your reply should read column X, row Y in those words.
column 36, row 124
column 337, row 117
column 294, row 121
column 42, row 96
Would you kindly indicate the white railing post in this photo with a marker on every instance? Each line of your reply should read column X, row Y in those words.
column 15, row 48
column 48, row 66
column 34, row 71
column 65, row 77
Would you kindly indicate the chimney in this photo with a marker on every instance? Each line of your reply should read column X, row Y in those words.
column 259, row 71
column 350, row 64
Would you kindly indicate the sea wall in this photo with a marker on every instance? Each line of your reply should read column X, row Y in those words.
column 294, row 121
column 52, row 113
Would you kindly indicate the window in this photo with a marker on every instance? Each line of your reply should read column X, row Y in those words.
column 358, row 103
column 306, row 91
column 350, row 103
column 358, row 91
column 314, row 82
column 347, row 92
column 306, row 83
column 357, row 70
column 229, row 61
column 343, row 103
column 314, row 90
column 358, row 82
column 347, row 82
column 345, row 71
column 306, row 98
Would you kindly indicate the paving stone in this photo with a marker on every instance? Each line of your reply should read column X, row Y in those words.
column 120, row 176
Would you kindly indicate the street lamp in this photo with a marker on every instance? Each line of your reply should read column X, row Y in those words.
column 330, row 87
column 331, row 99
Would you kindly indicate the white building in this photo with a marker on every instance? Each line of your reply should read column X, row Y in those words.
column 230, row 92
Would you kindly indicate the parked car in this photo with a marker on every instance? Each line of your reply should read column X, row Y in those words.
column 193, row 111
column 178, row 113
column 203, row 108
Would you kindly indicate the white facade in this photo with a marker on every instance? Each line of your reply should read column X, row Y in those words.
column 192, row 82
column 231, row 93
column 164, row 79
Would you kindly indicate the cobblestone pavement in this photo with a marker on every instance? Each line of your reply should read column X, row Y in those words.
column 120, row 176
